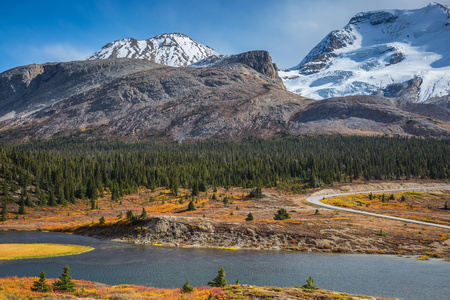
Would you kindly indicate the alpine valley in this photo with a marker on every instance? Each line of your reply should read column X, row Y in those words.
column 166, row 144
column 388, row 71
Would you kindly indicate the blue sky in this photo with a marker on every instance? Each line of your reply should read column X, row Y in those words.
column 39, row 31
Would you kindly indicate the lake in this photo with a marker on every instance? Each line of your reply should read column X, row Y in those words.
column 119, row 263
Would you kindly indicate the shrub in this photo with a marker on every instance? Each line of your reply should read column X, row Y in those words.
column 102, row 220
column 249, row 217
column 256, row 193
column 282, row 214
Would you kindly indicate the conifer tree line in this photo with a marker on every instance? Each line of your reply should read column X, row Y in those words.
column 58, row 172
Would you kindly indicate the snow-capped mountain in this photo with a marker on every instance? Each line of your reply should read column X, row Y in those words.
column 172, row 49
column 397, row 53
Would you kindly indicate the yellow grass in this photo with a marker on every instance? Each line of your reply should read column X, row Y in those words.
column 21, row 251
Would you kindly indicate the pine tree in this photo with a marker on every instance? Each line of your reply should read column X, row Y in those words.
column 64, row 283
column 29, row 201
column 195, row 189
column 93, row 204
column 41, row 285
column 310, row 284
column 219, row 281
column 143, row 215
column 52, row 200
column 22, row 207
column 4, row 209
column 249, row 217
column 187, row 287
column 191, row 206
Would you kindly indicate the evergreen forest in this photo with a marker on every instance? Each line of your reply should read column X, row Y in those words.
column 61, row 171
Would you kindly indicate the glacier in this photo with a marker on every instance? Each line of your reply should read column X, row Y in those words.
column 378, row 50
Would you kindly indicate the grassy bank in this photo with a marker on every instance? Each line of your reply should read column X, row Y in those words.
column 20, row 288
column 22, row 251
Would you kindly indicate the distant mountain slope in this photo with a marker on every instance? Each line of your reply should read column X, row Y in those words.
column 396, row 53
column 131, row 99
column 171, row 49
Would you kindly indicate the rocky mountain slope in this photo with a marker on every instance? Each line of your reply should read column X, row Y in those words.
column 240, row 96
column 259, row 61
column 171, row 49
column 395, row 53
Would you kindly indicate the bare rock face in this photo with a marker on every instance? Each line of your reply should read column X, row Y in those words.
column 260, row 61
column 408, row 90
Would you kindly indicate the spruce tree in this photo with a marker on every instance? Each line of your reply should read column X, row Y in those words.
column 310, row 284
column 187, row 287
column 22, row 207
column 219, row 281
column 4, row 209
column 249, row 217
column 143, row 215
column 52, row 200
column 29, row 201
column 64, row 283
column 41, row 285
column 195, row 189
column 191, row 206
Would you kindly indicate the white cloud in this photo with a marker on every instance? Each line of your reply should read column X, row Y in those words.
column 59, row 53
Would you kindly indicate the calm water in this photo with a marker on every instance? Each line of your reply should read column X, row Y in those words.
column 116, row 263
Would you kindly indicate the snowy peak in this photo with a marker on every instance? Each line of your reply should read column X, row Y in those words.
column 172, row 49
column 376, row 50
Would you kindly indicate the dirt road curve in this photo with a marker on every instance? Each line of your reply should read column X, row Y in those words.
column 317, row 201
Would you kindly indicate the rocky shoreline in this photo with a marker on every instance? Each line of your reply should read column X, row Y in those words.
column 207, row 233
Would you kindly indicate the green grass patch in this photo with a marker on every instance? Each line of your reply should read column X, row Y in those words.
column 39, row 250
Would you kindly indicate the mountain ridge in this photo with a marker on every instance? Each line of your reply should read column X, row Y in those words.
column 172, row 49
column 376, row 50
column 133, row 99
